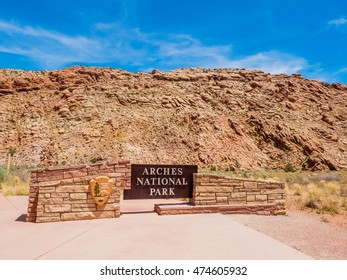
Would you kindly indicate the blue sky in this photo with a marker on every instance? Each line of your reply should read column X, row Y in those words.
column 308, row 37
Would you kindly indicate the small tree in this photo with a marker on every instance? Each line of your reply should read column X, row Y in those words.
column 289, row 167
column 11, row 152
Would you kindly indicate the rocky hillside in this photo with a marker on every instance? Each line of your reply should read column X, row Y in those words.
column 225, row 118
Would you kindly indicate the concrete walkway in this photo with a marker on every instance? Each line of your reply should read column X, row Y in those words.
column 134, row 235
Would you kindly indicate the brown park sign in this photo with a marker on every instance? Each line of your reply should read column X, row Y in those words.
column 161, row 181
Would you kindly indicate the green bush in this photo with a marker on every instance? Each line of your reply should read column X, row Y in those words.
column 3, row 174
column 213, row 168
column 289, row 167
column 96, row 159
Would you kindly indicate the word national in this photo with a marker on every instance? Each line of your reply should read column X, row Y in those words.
column 161, row 181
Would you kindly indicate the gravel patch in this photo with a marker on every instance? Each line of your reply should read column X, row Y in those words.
column 306, row 233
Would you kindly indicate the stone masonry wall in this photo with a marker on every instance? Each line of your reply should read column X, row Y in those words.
column 241, row 195
column 62, row 194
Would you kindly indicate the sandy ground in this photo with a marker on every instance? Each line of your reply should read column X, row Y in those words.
column 306, row 232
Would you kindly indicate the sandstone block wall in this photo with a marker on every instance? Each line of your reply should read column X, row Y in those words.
column 63, row 194
column 246, row 196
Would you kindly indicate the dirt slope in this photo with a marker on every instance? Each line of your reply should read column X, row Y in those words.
column 223, row 117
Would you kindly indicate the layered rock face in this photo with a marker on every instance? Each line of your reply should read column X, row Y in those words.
column 226, row 118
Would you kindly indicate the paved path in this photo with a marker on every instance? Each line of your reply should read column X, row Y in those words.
column 134, row 236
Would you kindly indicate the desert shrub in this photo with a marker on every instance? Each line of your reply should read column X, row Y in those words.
column 312, row 197
column 15, row 186
column 297, row 189
column 332, row 188
column 312, row 203
column 244, row 174
column 230, row 168
column 344, row 203
column 289, row 167
column 16, row 182
column 330, row 205
column 96, row 159
column 213, row 168
column 321, row 198
column 3, row 174
column 343, row 190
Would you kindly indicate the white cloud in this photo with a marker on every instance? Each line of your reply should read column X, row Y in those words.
column 48, row 48
column 274, row 62
column 338, row 22
column 69, row 41
column 112, row 43
column 181, row 50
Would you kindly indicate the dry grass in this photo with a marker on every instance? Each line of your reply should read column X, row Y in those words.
column 14, row 186
column 322, row 192
column 16, row 182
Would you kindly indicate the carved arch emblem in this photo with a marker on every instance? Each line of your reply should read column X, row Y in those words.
column 100, row 189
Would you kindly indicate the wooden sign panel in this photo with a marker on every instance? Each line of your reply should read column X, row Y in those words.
column 161, row 181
